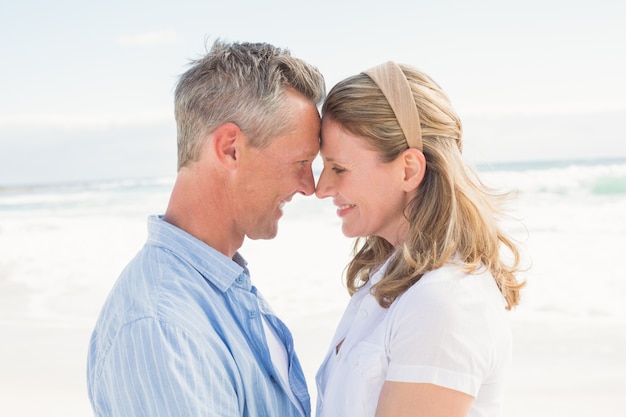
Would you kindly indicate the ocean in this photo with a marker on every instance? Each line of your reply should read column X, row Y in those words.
column 62, row 246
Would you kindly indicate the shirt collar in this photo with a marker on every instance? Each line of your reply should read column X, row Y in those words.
column 379, row 273
column 214, row 266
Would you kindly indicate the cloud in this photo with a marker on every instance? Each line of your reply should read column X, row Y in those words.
column 41, row 122
column 155, row 38
column 579, row 108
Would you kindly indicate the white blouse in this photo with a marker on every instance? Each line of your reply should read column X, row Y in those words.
column 449, row 329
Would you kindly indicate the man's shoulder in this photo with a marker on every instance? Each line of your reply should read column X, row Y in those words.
column 158, row 285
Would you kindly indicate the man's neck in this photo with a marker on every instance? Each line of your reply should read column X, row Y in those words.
column 200, row 206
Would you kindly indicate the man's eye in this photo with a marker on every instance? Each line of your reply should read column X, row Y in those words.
column 337, row 170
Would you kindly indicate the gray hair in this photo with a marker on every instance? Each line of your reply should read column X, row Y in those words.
column 241, row 83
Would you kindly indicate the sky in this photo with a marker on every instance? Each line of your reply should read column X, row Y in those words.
column 86, row 88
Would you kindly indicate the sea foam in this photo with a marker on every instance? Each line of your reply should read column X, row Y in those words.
column 63, row 246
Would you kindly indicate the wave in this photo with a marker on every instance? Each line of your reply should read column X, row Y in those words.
column 610, row 185
column 571, row 178
column 122, row 183
column 599, row 178
column 93, row 194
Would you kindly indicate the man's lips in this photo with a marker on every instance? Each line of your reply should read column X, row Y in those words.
column 285, row 201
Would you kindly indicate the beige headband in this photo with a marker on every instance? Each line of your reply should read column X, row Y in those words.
column 395, row 87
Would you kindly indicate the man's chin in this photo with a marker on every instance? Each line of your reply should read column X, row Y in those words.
column 265, row 235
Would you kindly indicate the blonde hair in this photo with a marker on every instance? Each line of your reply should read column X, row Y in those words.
column 241, row 83
column 453, row 216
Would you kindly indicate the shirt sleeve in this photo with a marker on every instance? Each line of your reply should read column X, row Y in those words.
column 440, row 334
column 154, row 369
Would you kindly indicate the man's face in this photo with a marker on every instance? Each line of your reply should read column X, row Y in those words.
column 269, row 177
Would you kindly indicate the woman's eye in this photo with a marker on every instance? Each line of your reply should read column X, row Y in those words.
column 337, row 170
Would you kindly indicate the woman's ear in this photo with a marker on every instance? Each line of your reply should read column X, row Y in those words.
column 414, row 169
column 224, row 144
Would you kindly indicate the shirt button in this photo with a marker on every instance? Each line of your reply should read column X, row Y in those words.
column 362, row 313
column 251, row 314
column 239, row 279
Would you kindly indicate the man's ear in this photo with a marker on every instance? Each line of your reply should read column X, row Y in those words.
column 225, row 143
column 414, row 164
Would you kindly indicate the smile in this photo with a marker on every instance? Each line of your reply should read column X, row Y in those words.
column 343, row 209
column 283, row 202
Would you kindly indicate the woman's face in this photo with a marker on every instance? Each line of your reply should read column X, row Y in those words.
column 368, row 193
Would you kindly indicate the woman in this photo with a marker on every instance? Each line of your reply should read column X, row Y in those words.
column 426, row 331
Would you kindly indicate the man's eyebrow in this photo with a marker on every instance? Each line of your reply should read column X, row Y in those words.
column 311, row 156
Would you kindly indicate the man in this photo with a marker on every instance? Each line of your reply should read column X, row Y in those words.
column 184, row 332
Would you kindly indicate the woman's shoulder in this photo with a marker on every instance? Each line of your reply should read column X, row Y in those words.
column 452, row 288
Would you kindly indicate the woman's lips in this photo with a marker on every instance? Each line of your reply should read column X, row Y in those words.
column 344, row 209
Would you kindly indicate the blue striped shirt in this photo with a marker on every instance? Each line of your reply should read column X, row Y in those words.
column 181, row 334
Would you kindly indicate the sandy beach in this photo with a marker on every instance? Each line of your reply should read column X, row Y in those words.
column 63, row 249
column 574, row 369
column 569, row 369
